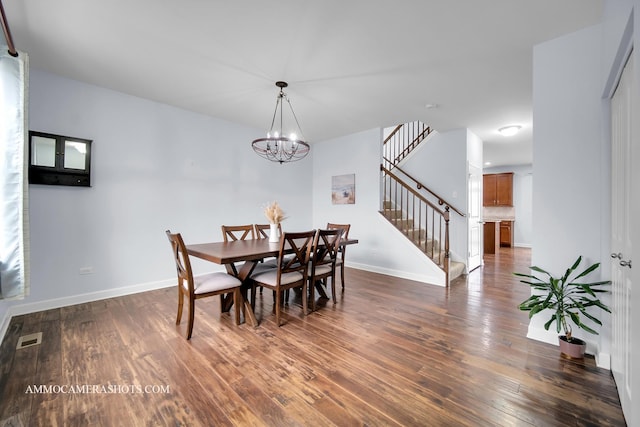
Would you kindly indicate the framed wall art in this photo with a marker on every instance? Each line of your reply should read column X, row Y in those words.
column 343, row 189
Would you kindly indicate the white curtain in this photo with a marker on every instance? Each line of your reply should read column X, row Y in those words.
column 14, row 233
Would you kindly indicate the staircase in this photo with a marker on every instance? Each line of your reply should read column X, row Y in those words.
column 422, row 239
column 418, row 213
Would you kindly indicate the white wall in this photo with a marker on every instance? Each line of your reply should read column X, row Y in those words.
column 522, row 201
column 444, row 154
column 381, row 248
column 154, row 167
column 569, row 196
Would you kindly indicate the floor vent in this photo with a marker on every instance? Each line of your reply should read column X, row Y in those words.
column 29, row 340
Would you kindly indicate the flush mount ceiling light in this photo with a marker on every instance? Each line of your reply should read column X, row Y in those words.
column 509, row 130
column 282, row 144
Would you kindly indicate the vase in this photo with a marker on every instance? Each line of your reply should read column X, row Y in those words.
column 573, row 349
column 274, row 233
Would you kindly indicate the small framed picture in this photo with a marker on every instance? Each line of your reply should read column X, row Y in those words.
column 343, row 189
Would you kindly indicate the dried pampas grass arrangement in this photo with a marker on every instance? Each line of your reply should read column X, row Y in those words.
column 274, row 213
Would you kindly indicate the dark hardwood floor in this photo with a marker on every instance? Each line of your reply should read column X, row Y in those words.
column 392, row 352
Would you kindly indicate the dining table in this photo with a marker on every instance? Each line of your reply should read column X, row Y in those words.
column 240, row 257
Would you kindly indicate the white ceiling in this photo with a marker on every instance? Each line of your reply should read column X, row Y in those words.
column 351, row 65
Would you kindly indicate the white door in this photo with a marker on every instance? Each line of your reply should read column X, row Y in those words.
column 621, row 190
column 474, row 217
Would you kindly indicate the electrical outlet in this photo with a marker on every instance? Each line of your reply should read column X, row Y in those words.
column 86, row 270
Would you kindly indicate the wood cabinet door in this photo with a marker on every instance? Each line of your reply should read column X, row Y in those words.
column 505, row 233
column 504, row 189
column 489, row 194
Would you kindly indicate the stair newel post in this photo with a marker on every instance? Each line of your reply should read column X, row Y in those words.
column 446, row 244
column 383, row 182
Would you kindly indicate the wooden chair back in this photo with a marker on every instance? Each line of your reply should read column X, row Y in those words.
column 325, row 247
column 237, row 232
column 344, row 227
column 323, row 262
column 181, row 258
column 345, row 235
column 342, row 251
column 301, row 243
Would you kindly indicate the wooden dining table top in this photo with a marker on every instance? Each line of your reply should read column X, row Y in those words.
column 240, row 250
column 235, row 251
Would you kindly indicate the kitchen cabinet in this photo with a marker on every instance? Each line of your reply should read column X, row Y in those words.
column 506, row 233
column 497, row 189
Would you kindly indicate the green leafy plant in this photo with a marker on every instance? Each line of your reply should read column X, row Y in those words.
column 566, row 298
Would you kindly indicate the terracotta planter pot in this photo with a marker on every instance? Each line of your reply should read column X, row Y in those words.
column 574, row 349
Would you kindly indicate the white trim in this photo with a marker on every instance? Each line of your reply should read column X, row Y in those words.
column 603, row 360
column 543, row 335
column 522, row 245
column 4, row 324
column 429, row 280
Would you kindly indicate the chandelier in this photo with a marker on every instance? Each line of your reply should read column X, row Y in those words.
column 282, row 144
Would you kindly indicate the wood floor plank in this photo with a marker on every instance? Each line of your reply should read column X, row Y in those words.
column 391, row 352
column 48, row 408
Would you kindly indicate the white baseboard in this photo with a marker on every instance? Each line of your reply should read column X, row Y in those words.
column 429, row 280
column 19, row 309
column 522, row 245
column 4, row 324
column 540, row 334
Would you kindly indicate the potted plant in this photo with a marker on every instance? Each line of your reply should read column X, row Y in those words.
column 568, row 300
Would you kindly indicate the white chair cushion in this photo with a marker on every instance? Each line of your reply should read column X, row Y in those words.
column 262, row 267
column 271, row 277
column 271, row 262
column 322, row 269
column 214, row 282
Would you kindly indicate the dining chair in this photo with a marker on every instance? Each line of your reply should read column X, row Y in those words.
column 203, row 286
column 291, row 272
column 340, row 260
column 262, row 232
column 326, row 244
column 245, row 232
column 231, row 233
column 237, row 232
